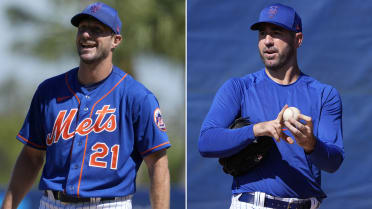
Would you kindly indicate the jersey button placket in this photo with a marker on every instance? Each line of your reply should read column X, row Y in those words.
column 87, row 98
column 84, row 107
column 78, row 150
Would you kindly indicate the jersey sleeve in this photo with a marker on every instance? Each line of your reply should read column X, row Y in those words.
column 150, row 128
column 329, row 151
column 216, row 139
column 32, row 132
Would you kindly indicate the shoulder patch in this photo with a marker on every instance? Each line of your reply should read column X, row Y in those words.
column 158, row 119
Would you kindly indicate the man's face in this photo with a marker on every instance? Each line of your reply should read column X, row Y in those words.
column 277, row 46
column 93, row 41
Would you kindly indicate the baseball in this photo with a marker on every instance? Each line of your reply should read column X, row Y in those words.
column 291, row 112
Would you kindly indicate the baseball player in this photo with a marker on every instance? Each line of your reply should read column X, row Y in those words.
column 94, row 125
column 290, row 176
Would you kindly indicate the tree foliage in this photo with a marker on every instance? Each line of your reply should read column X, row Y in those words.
column 149, row 26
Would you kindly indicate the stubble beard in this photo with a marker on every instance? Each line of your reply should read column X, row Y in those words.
column 278, row 62
column 98, row 57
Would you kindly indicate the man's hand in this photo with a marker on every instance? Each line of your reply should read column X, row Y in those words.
column 303, row 133
column 273, row 128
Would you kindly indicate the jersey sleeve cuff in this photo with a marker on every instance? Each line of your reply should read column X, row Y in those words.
column 319, row 152
column 30, row 143
column 319, row 145
column 162, row 146
column 326, row 157
column 250, row 133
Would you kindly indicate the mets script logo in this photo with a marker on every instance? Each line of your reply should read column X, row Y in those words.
column 62, row 125
column 272, row 11
column 158, row 119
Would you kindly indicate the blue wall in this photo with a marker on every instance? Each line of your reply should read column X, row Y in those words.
column 337, row 49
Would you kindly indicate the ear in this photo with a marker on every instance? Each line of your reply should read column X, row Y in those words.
column 116, row 40
column 298, row 39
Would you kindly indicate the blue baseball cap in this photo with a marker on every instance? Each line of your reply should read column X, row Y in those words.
column 103, row 13
column 280, row 15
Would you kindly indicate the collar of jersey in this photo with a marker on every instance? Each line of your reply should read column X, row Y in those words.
column 87, row 90
column 283, row 85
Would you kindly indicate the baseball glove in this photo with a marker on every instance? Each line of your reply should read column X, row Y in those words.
column 250, row 156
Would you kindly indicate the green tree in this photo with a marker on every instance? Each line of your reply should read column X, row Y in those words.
column 149, row 26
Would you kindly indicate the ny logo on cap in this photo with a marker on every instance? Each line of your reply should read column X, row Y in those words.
column 272, row 11
column 95, row 8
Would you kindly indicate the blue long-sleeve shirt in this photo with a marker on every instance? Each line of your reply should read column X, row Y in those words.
column 288, row 171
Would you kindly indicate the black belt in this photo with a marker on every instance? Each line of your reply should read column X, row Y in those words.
column 61, row 196
column 277, row 204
